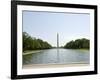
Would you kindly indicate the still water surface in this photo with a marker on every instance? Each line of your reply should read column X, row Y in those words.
column 58, row 56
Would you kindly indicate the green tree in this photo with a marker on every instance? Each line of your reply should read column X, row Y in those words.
column 30, row 43
column 78, row 44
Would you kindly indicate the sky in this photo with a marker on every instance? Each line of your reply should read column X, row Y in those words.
column 46, row 25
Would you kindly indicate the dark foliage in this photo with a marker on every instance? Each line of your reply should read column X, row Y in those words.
column 78, row 44
column 30, row 43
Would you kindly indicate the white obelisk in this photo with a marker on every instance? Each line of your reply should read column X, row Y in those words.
column 57, row 48
column 57, row 40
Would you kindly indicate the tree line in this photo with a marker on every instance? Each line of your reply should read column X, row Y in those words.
column 78, row 44
column 31, row 43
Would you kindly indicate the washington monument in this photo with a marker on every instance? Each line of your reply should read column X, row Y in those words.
column 57, row 40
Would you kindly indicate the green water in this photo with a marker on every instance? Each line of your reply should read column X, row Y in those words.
column 57, row 56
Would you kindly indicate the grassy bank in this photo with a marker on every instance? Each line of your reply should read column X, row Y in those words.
column 31, row 52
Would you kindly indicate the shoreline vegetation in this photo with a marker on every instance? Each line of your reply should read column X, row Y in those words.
column 33, row 45
column 78, row 44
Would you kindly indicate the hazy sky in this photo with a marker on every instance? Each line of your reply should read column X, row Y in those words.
column 46, row 25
